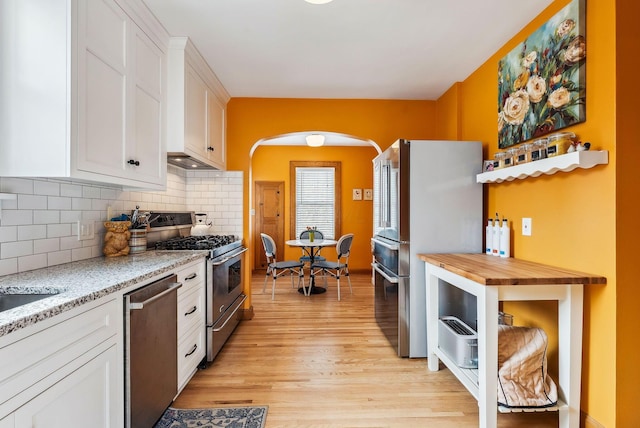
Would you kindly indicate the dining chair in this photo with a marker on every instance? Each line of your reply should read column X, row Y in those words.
column 277, row 269
column 306, row 258
column 339, row 267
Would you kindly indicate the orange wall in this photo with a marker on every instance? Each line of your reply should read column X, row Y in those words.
column 573, row 214
column 251, row 119
column 271, row 163
column 628, row 235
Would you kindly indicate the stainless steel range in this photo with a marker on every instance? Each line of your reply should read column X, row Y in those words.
column 224, row 286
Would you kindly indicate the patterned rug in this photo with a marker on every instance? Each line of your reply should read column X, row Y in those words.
column 225, row 417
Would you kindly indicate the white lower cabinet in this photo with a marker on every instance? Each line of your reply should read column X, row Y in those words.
column 67, row 372
column 87, row 397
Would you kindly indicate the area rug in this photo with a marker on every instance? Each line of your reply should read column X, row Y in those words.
column 224, row 417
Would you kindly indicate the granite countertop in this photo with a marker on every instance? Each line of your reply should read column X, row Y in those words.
column 80, row 282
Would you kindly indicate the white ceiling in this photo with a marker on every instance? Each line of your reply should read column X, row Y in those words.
column 361, row 49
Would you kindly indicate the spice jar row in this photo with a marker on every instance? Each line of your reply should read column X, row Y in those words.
column 542, row 148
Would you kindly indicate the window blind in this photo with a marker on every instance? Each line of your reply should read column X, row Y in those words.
column 315, row 200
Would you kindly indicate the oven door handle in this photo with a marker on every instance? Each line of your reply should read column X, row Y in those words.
column 215, row 330
column 391, row 279
column 394, row 247
column 226, row 259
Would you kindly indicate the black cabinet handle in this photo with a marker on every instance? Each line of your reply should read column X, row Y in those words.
column 210, row 148
column 195, row 308
column 190, row 277
column 192, row 351
column 134, row 162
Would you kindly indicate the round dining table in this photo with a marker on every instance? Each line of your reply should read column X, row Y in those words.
column 312, row 248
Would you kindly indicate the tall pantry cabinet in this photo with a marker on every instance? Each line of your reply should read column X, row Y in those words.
column 82, row 92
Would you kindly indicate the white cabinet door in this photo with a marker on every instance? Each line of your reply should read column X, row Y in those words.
column 146, row 145
column 8, row 422
column 88, row 397
column 120, row 117
column 103, row 37
column 216, row 130
column 196, row 112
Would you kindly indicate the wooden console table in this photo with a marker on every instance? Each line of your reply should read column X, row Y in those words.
column 493, row 279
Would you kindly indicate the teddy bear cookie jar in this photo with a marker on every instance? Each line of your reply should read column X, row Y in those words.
column 116, row 238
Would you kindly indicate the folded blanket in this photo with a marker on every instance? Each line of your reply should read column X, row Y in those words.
column 522, row 368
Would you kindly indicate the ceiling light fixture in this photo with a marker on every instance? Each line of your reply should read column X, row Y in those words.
column 318, row 1
column 315, row 140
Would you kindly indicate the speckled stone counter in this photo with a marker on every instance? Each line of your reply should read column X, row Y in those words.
column 83, row 281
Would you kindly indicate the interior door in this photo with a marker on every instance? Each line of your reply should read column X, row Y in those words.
column 269, row 219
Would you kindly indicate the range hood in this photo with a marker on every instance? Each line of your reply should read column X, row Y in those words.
column 184, row 161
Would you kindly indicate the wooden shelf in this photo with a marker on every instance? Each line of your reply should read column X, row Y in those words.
column 567, row 162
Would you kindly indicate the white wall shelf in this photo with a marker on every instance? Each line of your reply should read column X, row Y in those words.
column 567, row 162
column 6, row 197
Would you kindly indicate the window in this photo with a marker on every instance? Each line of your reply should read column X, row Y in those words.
column 315, row 197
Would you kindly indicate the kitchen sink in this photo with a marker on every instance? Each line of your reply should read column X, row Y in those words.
column 10, row 301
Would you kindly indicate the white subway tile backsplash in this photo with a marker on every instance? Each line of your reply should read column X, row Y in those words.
column 26, row 233
column 70, row 216
column 58, row 257
column 16, row 185
column 36, row 261
column 8, row 266
column 38, row 229
column 46, row 245
column 58, row 230
column 8, row 233
column 90, row 192
column 46, row 216
column 80, row 204
column 108, row 193
column 69, row 242
column 81, row 254
column 71, row 190
column 32, row 202
column 46, row 188
column 16, row 249
column 59, row 203
column 16, row 217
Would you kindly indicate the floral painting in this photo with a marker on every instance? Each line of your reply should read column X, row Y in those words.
column 541, row 82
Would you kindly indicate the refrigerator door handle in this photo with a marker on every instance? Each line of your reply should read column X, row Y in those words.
column 391, row 279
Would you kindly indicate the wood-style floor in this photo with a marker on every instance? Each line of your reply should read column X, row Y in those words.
column 317, row 362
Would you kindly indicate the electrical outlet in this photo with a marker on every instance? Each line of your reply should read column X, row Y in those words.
column 85, row 230
column 357, row 194
column 368, row 194
column 526, row 226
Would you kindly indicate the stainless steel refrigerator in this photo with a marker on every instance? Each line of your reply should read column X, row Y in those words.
column 426, row 200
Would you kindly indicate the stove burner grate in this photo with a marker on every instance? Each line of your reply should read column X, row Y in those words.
column 205, row 242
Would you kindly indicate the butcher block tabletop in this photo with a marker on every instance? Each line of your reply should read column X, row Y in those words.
column 490, row 270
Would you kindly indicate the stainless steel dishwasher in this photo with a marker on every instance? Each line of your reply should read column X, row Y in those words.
column 151, row 362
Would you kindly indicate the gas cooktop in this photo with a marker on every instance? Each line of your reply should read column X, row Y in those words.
column 205, row 242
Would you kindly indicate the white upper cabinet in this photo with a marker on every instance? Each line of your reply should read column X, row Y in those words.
column 197, row 106
column 85, row 93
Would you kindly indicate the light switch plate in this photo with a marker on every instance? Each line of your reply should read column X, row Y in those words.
column 526, row 226
column 86, row 230
column 368, row 194
column 357, row 194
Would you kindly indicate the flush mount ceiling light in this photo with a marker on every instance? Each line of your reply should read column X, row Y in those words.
column 315, row 140
column 318, row 1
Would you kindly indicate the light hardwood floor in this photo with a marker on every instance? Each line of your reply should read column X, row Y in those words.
column 317, row 362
